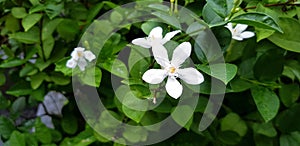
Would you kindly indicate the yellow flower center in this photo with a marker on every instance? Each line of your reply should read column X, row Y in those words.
column 80, row 54
column 172, row 70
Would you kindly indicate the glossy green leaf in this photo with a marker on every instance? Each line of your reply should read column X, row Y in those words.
column 223, row 72
column 42, row 133
column 233, row 122
column 134, row 107
column 136, row 134
column 12, row 24
column 266, row 102
column 167, row 18
column 288, row 39
column 18, row 12
column 221, row 7
column 258, row 20
column 68, row 29
column 30, row 20
column 37, row 80
column 269, row 66
column 266, row 129
column 116, row 67
column 92, row 76
column 60, row 79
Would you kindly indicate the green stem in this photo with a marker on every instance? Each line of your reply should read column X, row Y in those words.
column 262, row 84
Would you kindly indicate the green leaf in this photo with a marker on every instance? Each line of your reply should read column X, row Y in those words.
column 2, row 78
column 92, row 76
column 12, row 63
column 32, row 36
column 266, row 102
column 229, row 137
column 134, row 107
column 116, row 67
column 18, row 12
column 183, row 115
column 289, row 94
column 37, row 80
column 224, row 72
column 221, row 7
column 68, row 29
column 6, row 127
column 30, row 20
column 48, row 45
column 42, row 133
column 17, row 139
column 260, row 20
column 288, row 120
column 292, row 139
column 135, row 134
column 60, row 79
column 288, row 40
column 19, row 89
column 116, row 18
column 269, row 66
column 4, row 103
column 12, row 24
column 69, row 123
column 233, row 122
column 167, row 18
column 266, row 129
column 53, row 9
column 18, row 105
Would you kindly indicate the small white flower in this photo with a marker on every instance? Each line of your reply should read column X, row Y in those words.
column 155, row 37
column 239, row 33
column 172, row 70
column 79, row 57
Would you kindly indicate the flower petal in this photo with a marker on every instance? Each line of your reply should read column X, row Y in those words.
column 229, row 26
column 174, row 88
column 82, row 64
column 156, row 33
column 247, row 34
column 154, row 76
column 74, row 54
column 79, row 49
column 89, row 55
column 170, row 35
column 235, row 37
column 191, row 76
column 181, row 53
column 160, row 55
column 142, row 42
column 71, row 63
column 240, row 27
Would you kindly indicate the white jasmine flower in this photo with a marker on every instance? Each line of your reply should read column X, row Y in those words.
column 155, row 37
column 79, row 57
column 239, row 33
column 172, row 70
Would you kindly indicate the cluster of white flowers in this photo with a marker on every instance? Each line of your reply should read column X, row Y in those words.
column 80, row 58
column 238, row 32
column 170, row 69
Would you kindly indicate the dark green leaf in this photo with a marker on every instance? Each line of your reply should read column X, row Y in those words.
column 233, row 122
column 19, row 89
column 288, row 120
column 288, row 39
column 167, row 18
column 116, row 67
column 258, row 20
column 32, row 36
column 182, row 115
column 6, row 127
column 37, row 80
column 69, row 123
column 266, row 102
column 92, row 76
column 221, row 7
column 269, row 66
column 12, row 63
column 289, row 94
column 18, row 105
